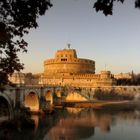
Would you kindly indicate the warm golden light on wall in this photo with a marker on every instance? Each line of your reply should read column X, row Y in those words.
column 49, row 97
column 31, row 101
column 58, row 93
column 73, row 96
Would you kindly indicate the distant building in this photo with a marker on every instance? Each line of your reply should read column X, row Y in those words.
column 17, row 78
column 123, row 76
column 32, row 79
column 24, row 78
column 67, row 69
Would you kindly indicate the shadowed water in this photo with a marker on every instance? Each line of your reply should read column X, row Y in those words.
column 80, row 124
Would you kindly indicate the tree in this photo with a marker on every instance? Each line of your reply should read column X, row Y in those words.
column 106, row 6
column 17, row 17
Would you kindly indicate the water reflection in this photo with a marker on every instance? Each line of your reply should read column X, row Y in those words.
column 36, row 121
column 71, row 128
column 79, row 126
column 87, row 124
column 74, row 110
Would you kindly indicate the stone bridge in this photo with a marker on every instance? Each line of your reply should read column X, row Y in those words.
column 39, row 97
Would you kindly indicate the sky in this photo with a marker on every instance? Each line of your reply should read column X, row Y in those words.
column 113, row 42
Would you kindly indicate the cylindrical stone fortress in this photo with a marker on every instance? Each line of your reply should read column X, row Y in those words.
column 66, row 61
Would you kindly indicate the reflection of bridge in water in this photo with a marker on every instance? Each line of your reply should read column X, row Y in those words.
column 76, row 124
column 89, row 123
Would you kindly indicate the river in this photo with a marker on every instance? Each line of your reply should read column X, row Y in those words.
column 81, row 124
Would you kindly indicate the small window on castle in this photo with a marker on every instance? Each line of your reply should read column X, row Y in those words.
column 61, row 55
column 65, row 55
column 57, row 55
column 63, row 59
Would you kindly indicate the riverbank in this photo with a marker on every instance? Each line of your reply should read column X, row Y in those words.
column 111, row 105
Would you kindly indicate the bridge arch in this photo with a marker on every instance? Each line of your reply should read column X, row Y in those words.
column 58, row 93
column 6, row 107
column 32, row 101
column 49, row 96
column 75, row 96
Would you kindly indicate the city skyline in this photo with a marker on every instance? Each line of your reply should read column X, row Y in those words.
column 112, row 41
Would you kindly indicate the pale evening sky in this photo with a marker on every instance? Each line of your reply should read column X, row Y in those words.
column 113, row 41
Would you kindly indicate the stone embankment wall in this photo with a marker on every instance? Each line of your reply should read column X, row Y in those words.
column 116, row 92
column 102, row 93
column 131, row 90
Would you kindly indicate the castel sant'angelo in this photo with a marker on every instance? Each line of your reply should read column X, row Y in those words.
column 67, row 69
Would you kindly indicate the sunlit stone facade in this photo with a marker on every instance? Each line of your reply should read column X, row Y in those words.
column 66, row 62
column 17, row 78
column 123, row 76
column 67, row 69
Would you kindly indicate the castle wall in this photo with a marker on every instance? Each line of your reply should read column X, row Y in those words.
column 78, row 80
column 52, row 66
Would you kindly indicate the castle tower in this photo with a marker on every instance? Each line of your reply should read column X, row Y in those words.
column 67, row 62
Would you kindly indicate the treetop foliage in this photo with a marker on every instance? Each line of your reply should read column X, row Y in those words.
column 16, row 18
column 106, row 6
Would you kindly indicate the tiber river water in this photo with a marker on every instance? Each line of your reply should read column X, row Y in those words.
column 83, row 124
